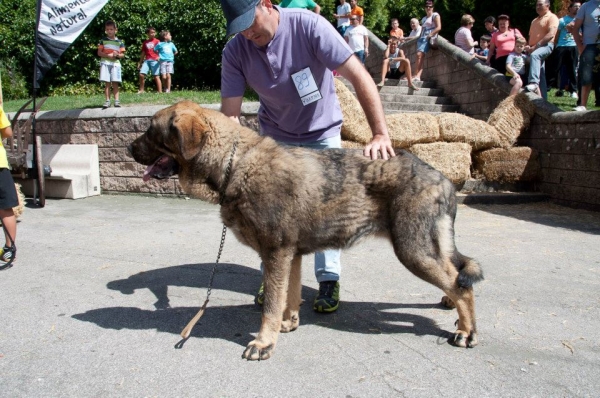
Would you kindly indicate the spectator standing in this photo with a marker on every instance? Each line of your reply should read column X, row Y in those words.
column 516, row 68
column 490, row 25
column 431, row 24
column 167, row 52
column 149, row 61
column 8, row 196
column 483, row 51
column 110, row 50
column 358, row 11
column 502, row 44
column 565, row 53
column 357, row 37
column 588, row 45
column 463, row 37
column 301, row 45
column 541, row 43
column 395, row 64
column 396, row 31
column 343, row 17
column 415, row 27
column 305, row 4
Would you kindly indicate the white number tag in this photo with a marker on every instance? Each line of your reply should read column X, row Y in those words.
column 306, row 86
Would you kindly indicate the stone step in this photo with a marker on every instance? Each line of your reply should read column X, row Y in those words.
column 500, row 198
column 418, row 107
column 415, row 99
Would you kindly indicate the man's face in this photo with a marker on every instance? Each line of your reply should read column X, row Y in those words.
column 489, row 26
column 393, row 46
column 261, row 32
column 413, row 25
column 151, row 34
column 352, row 3
column 541, row 7
column 354, row 20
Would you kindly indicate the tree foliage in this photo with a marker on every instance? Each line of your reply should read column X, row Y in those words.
column 198, row 30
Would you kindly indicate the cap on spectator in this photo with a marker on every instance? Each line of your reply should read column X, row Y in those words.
column 503, row 16
column 239, row 14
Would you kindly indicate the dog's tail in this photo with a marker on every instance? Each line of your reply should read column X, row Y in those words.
column 469, row 271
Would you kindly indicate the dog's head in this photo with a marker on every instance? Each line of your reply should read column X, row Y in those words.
column 172, row 140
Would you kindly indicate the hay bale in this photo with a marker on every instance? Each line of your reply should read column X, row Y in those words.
column 455, row 127
column 18, row 209
column 511, row 117
column 407, row 129
column 355, row 126
column 508, row 165
column 452, row 159
column 352, row 145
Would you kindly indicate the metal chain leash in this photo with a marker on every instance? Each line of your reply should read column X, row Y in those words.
column 185, row 333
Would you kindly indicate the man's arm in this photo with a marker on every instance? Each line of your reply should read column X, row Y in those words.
column 369, row 99
column 576, row 31
column 232, row 107
column 366, row 43
column 317, row 9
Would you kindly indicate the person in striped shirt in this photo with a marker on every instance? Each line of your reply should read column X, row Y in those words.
column 110, row 50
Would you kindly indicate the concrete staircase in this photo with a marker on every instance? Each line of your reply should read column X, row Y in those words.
column 396, row 96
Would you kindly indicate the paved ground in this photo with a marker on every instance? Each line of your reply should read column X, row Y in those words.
column 103, row 286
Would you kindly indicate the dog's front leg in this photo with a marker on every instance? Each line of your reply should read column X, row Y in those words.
column 291, row 315
column 276, row 273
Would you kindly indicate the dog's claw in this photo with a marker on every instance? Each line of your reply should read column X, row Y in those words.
column 461, row 339
column 253, row 353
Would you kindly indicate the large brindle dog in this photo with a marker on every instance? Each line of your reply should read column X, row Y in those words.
column 286, row 202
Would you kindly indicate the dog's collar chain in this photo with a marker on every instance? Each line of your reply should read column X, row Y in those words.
column 185, row 333
column 228, row 171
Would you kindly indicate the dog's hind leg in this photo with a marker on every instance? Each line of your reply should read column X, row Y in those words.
column 276, row 272
column 291, row 315
column 466, row 332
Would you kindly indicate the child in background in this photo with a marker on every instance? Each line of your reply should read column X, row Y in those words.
column 110, row 50
column 8, row 196
column 166, row 51
column 484, row 44
column 149, row 61
column 515, row 65
column 396, row 31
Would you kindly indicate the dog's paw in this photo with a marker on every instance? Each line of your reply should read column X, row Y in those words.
column 463, row 339
column 254, row 351
column 447, row 302
column 290, row 325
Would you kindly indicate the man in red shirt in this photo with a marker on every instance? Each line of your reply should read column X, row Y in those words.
column 149, row 61
column 356, row 10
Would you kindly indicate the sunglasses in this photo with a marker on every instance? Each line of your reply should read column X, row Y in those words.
column 354, row 19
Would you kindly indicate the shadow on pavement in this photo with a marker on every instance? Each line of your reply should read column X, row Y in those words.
column 236, row 323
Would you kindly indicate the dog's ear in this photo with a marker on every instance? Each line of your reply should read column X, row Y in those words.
column 190, row 129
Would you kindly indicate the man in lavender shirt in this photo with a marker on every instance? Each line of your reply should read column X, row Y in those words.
column 287, row 57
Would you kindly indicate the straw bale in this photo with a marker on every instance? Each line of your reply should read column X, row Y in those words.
column 455, row 127
column 407, row 129
column 355, row 126
column 18, row 209
column 452, row 159
column 352, row 145
column 511, row 117
column 508, row 165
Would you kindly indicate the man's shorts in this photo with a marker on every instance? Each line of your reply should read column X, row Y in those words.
column 394, row 73
column 110, row 72
column 8, row 192
column 166, row 67
column 423, row 44
column 150, row 65
column 589, row 65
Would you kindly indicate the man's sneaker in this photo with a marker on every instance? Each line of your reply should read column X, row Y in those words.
column 117, row 104
column 8, row 253
column 106, row 104
column 260, row 296
column 574, row 95
column 580, row 108
column 328, row 299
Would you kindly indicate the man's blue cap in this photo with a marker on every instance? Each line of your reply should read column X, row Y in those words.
column 239, row 14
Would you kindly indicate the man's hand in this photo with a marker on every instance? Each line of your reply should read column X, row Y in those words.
column 380, row 143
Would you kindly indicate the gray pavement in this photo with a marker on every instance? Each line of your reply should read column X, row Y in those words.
column 102, row 287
